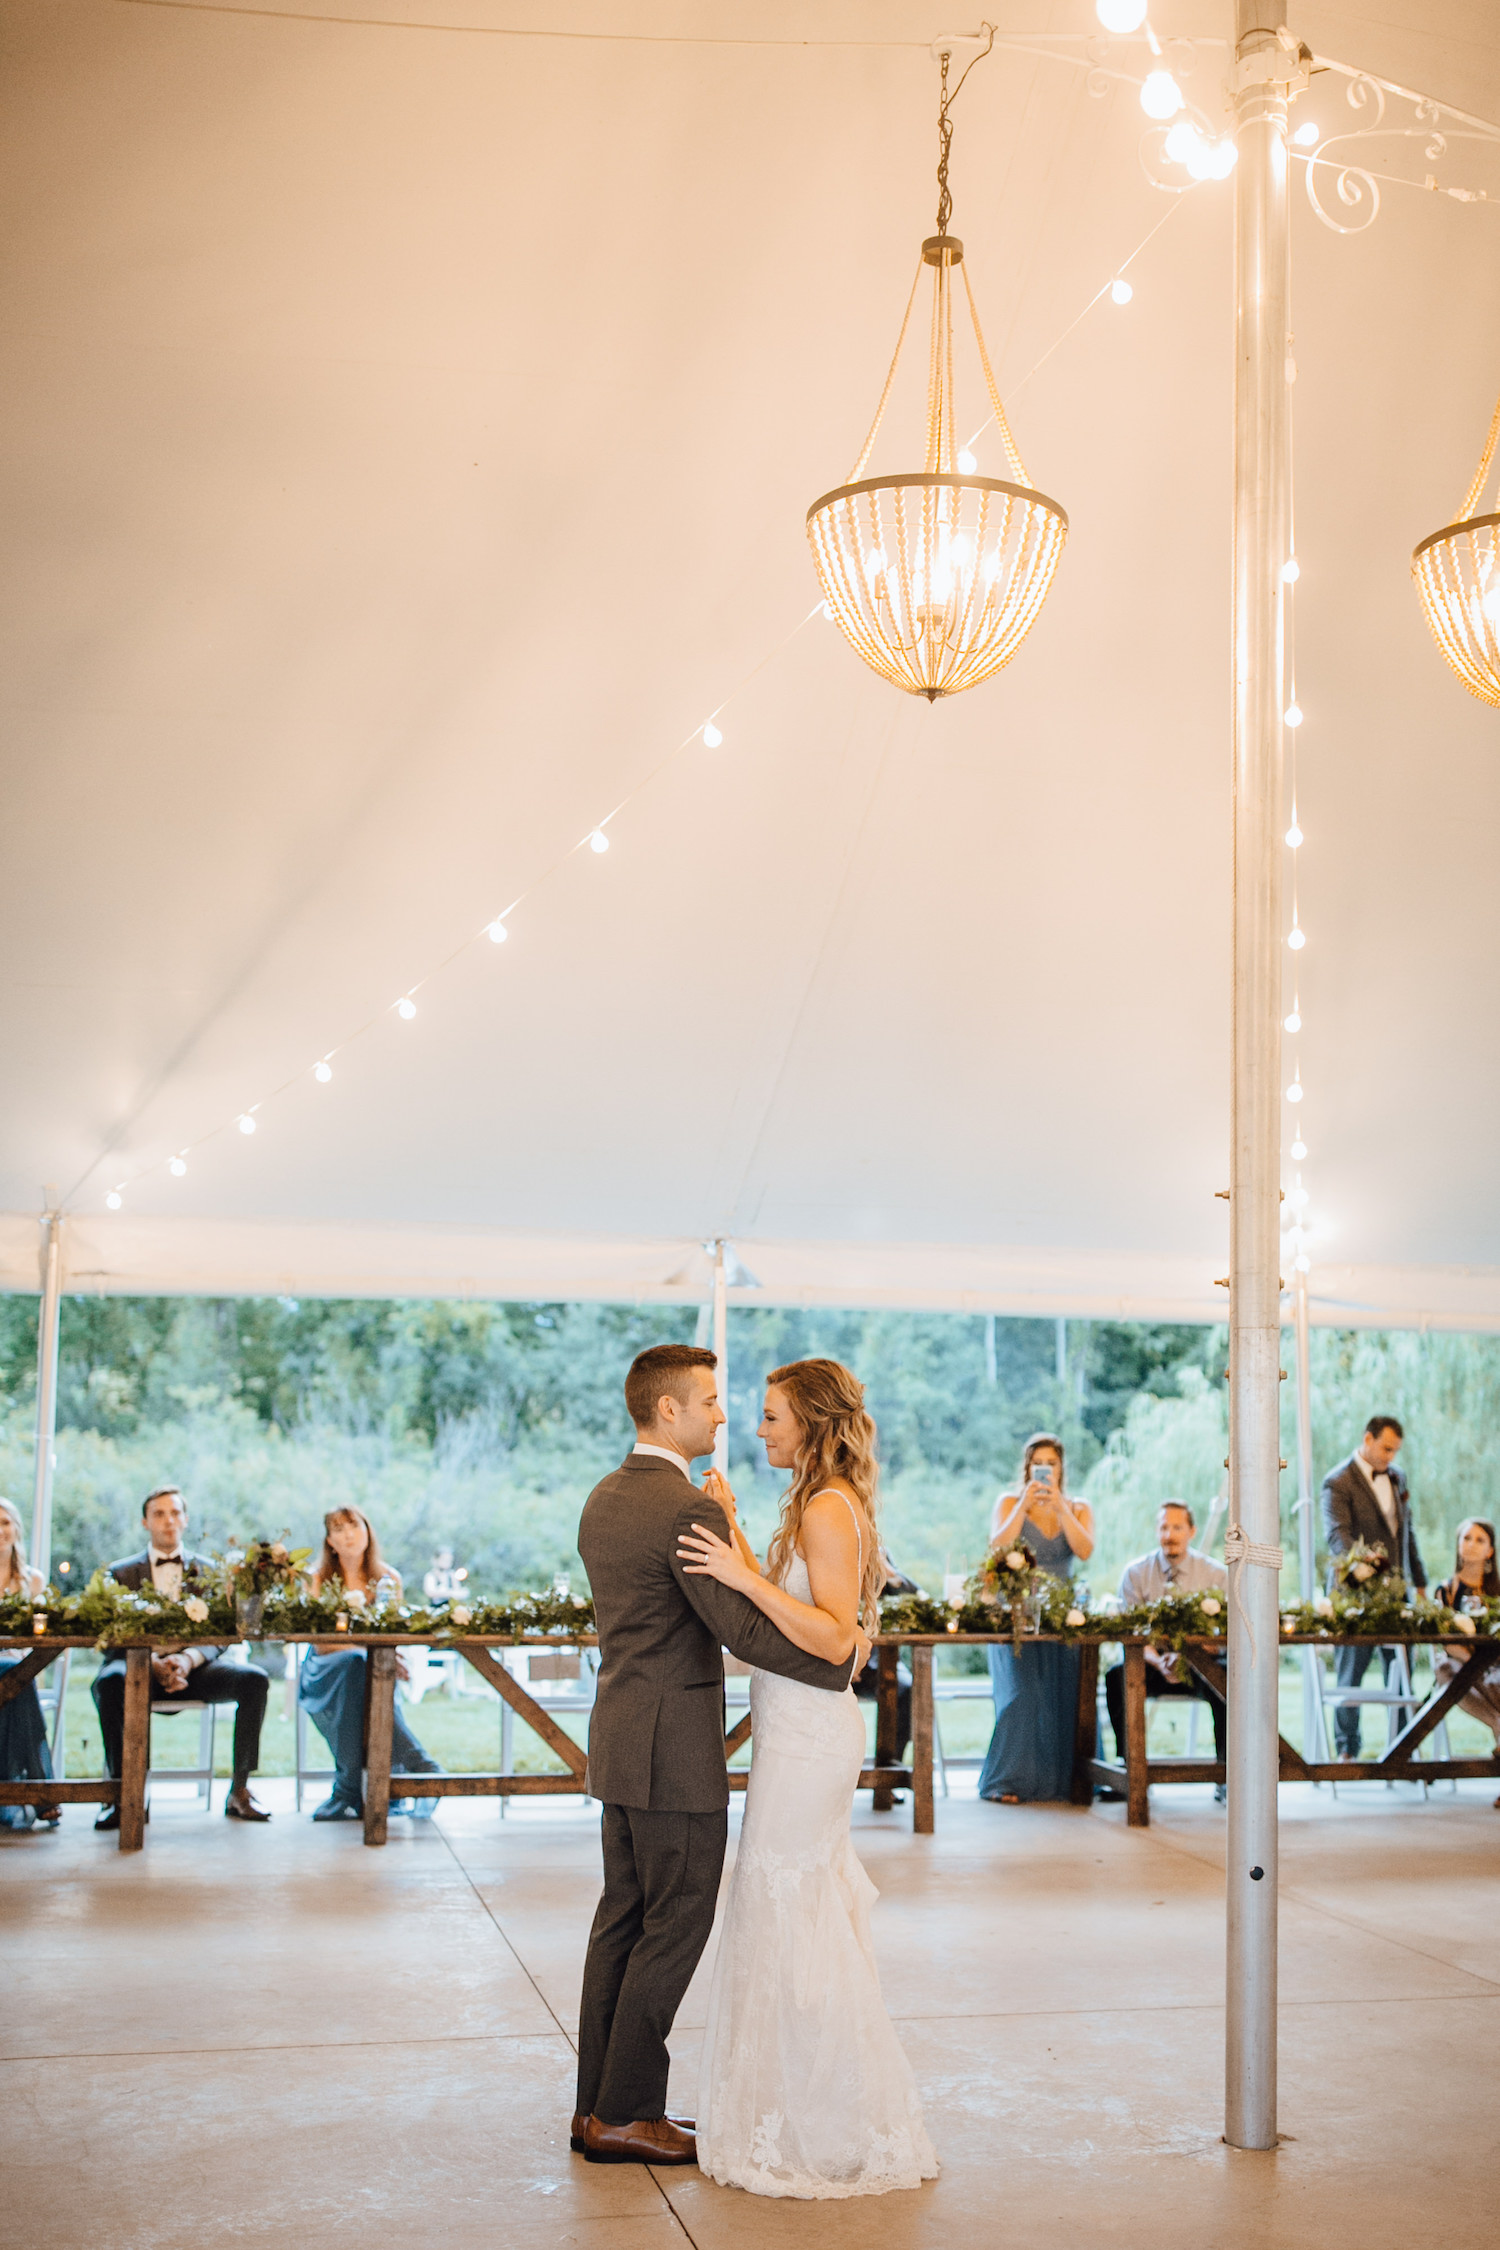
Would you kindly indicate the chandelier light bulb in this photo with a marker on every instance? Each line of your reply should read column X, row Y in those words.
column 406, row 1009
column 1120, row 290
column 322, row 1072
column 113, row 1200
column 1296, row 937
column 1294, row 1091
column 598, row 842
column 246, row 1123
column 1293, row 715
column 1291, row 571
column 967, row 463
column 1293, row 1022
column 1294, row 836
column 1299, row 1149
column 1161, row 96
column 1121, row 15
column 176, row 1167
column 711, row 736
column 1490, row 604
column 1306, row 135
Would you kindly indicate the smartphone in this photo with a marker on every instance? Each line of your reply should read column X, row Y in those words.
column 1041, row 1472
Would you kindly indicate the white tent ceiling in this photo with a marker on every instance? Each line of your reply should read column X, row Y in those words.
column 408, row 437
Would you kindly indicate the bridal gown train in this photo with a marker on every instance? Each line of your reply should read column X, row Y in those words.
column 804, row 2089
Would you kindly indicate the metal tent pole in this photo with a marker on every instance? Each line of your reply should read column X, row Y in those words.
column 721, row 1353
column 46, row 1392
column 1265, row 64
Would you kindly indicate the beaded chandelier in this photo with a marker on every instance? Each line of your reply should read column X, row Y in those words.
column 1457, row 572
column 936, row 577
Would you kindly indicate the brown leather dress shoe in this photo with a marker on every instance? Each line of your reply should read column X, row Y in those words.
column 650, row 2140
column 240, row 1805
column 580, row 2122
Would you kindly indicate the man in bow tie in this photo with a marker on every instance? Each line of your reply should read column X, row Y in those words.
column 192, row 1675
column 1366, row 1498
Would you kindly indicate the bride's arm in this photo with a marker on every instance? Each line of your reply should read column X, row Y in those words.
column 831, row 1551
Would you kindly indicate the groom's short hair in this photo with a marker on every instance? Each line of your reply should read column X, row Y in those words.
column 664, row 1367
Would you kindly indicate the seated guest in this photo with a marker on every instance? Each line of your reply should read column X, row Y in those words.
column 867, row 1682
column 188, row 1675
column 1176, row 1568
column 1476, row 1578
column 332, row 1687
column 24, row 1755
column 1366, row 1498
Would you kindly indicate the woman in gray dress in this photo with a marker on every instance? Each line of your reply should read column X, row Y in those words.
column 1030, row 1757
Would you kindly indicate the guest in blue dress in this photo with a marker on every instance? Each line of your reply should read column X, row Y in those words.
column 1030, row 1756
column 24, row 1755
column 332, row 1685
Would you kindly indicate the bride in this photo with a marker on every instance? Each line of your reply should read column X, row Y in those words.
column 804, row 2089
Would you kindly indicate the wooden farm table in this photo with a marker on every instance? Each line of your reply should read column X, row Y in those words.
column 129, row 1792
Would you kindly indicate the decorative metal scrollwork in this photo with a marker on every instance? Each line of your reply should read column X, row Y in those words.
column 1345, row 193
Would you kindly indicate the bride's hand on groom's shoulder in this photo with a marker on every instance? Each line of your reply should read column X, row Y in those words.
column 704, row 1556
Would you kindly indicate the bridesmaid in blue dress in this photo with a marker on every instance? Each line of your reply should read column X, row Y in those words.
column 1030, row 1756
column 332, row 1685
column 24, row 1755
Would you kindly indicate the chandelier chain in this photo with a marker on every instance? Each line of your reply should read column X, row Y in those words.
column 945, row 126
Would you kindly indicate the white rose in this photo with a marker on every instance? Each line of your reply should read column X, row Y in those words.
column 1075, row 1617
column 1361, row 1571
column 460, row 1616
column 1464, row 1624
column 1209, row 1606
column 278, row 1552
column 1015, row 1560
column 579, row 1602
column 1322, row 1606
column 196, row 1609
column 355, row 1598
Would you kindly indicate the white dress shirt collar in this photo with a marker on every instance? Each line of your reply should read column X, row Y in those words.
column 1385, row 1492
column 664, row 1453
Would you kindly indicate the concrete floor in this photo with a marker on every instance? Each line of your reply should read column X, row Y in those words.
column 276, row 2036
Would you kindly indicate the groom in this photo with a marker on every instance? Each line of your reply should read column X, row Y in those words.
column 656, row 1752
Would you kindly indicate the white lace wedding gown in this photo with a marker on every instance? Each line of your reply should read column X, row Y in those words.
column 804, row 2089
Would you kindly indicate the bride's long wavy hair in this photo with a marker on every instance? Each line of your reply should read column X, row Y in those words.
column 838, row 1442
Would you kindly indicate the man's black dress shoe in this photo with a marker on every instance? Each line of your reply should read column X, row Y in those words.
column 110, row 1817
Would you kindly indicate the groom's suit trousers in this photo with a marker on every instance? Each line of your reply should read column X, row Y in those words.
column 661, row 1884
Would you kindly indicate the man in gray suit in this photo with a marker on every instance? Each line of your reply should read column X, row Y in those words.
column 1366, row 1498
column 188, row 1675
column 656, row 1752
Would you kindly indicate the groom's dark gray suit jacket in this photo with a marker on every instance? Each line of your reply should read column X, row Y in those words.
column 656, row 1739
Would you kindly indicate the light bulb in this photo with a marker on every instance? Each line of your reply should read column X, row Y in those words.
column 1294, row 836
column 711, row 736
column 322, row 1072
column 497, row 933
column 1304, row 1264
column 247, row 1123
column 1291, row 572
column 1306, row 135
column 113, row 1200
column 406, row 1009
column 1298, row 1199
column 1121, row 15
column 875, row 564
column 1161, row 96
column 1299, row 1149
column 1491, row 604
column 1120, row 290
column 967, row 462
column 1216, row 161
column 1294, row 1091
column 1181, row 143
column 598, row 842
column 1296, row 937
column 176, row 1167
column 1293, row 714
column 1293, row 1022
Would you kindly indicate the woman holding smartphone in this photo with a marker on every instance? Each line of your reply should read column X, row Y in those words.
column 1030, row 1757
